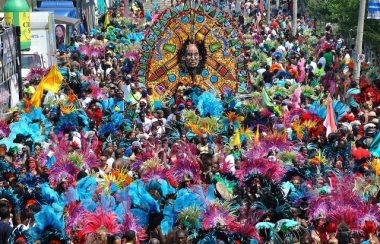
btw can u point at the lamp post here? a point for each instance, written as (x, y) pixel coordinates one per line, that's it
(359, 38)
(268, 10)
(294, 22)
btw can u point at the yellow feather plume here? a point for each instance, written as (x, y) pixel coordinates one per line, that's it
(376, 166)
(118, 177)
(310, 124)
(232, 117)
(298, 129)
(194, 128)
(236, 138)
(247, 133)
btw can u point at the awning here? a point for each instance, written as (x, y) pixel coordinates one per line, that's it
(66, 20)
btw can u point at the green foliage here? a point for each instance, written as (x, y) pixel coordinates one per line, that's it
(344, 13)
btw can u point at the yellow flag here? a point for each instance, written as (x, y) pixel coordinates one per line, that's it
(35, 100)
(51, 82)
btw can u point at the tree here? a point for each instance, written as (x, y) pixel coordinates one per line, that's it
(344, 13)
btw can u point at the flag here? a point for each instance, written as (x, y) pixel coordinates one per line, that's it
(35, 100)
(51, 82)
(329, 122)
(261, 6)
(373, 9)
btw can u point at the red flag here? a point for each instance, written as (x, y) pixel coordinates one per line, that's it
(261, 6)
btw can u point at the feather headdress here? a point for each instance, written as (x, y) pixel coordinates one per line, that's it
(118, 178)
(217, 215)
(274, 171)
(73, 214)
(63, 170)
(184, 164)
(95, 222)
(153, 169)
(190, 218)
(209, 105)
(36, 74)
(21, 233)
(10, 196)
(130, 222)
(49, 224)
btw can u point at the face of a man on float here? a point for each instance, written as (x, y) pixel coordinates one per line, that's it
(192, 56)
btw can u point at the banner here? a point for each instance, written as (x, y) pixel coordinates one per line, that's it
(373, 9)
(8, 18)
(24, 20)
(60, 35)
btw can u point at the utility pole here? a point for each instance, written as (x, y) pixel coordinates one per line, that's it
(294, 22)
(268, 11)
(277, 5)
(359, 38)
(17, 30)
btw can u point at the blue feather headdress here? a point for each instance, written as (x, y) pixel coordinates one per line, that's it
(71, 121)
(209, 105)
(21, 232)
(11, 196)
(49, 225)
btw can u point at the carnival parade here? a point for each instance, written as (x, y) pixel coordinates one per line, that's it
(188, 122)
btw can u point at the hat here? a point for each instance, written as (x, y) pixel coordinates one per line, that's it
(188, 103)
(137, 144)
(181, 106)
(368, 126)
(222, 190)
(347, 125)
(372, 114)
(355, 122)
(143, 136)
(144, 92)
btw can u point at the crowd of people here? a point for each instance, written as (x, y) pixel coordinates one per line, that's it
(290, 157)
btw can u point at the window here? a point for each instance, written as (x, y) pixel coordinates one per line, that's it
(29, 61)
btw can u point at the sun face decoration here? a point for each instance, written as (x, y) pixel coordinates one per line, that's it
(198, 46)
(192, 58)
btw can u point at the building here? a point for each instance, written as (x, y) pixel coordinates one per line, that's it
(10, 78)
